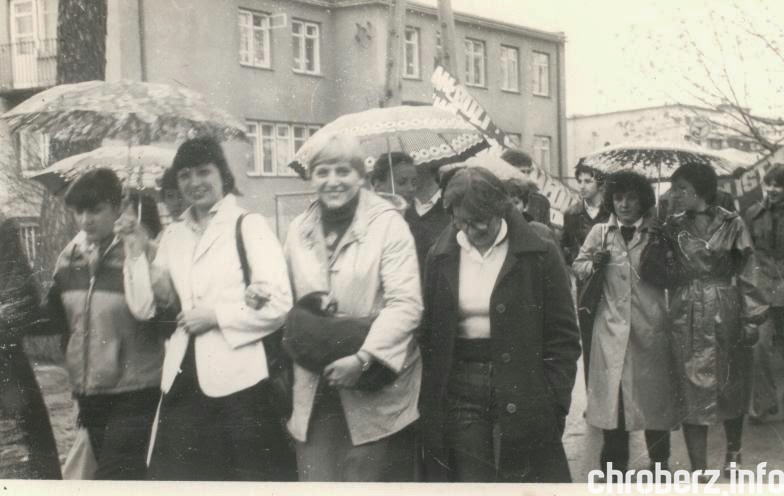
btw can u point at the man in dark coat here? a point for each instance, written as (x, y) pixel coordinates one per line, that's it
(538, 206)
(534, 347)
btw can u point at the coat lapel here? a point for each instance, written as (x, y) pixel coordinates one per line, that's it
(522, 239)
(227, 212)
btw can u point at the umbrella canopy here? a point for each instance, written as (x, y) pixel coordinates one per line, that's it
(431, 136)
(138, 167)
(132, 111)
(656, 161)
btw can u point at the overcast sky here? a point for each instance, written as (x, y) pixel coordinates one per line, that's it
(632, 53)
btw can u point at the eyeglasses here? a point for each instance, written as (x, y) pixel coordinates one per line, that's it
(476, 225)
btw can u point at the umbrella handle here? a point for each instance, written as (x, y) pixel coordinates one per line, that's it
(389, 162)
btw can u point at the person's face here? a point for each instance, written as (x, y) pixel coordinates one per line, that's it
(97, 222)
(336, 183)
(201, 186)
(684, 196)
(175, 203)
(628, 208)
(406, 181)
(525, 169)
(587, 186)
(518, 204)
(775, 193)
(481, 232)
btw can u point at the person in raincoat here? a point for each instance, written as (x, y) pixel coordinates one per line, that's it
(766, 223)
(715, 308)
(630, 385)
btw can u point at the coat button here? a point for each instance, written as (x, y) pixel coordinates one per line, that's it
(506, 357)
(501, 308)
(511, 408)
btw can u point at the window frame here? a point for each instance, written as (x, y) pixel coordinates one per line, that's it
(303, 37)
(258, 138)
(538, 149)
(252, 30)
(537, 83)
(29, 236)
(417, 62)
(469, 67)
(505, 70)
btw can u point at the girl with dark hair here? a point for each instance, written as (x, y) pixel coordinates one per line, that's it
(715, 308)
(216, 419)
(28, 446)
(497, 358)
(630, 383)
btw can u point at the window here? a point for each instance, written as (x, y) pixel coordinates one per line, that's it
(33, 150)
(541, 74)
(274, 145)
(254, 39)
(305, 43)
(509, 69)
(474, 62)
(517, 139)
(28, 234)
(542, 152)
(411, 53)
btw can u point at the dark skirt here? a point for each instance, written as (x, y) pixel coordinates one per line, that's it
(27, 445)
(238, 437)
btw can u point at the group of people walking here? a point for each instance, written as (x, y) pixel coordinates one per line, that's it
(469, 338)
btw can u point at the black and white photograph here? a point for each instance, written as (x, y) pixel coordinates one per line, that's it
(534, 245)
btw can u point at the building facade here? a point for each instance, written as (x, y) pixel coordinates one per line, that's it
(287, 67)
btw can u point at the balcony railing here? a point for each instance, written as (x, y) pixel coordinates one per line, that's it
(28, 64)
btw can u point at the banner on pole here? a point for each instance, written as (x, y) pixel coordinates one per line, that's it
(450, 95)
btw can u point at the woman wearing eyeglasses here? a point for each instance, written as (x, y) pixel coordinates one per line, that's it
(499, 343)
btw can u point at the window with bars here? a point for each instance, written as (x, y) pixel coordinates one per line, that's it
(474, 62)
(509, 69)
(411, 53)
(274, 145)
(254, 39)
(541, 74)
(29, 235)
(542, 152)
(33, 150)
(306, 49)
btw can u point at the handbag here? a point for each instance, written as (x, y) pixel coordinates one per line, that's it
(279, 366)
(588, 298)
(315, 337)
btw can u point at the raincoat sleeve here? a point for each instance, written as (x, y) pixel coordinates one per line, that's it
(393, 330)
(755, 306)
(561, 341)
(239, 323)
(583, 264)
(148, 285)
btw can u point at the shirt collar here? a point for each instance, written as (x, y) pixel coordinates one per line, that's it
(466, 245)
(636, 225)
(424, 207)
(190, 221)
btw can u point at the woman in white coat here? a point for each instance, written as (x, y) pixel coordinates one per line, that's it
(354, 245)
(216, 420)
(631, 385)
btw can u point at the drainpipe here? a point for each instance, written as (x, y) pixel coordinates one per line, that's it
(142, 54)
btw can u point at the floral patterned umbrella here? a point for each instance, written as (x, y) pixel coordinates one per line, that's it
(656, 161)
(139, 167)
(133, 111)
(431, 136)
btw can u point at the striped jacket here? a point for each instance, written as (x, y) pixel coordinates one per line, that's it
(108, 350)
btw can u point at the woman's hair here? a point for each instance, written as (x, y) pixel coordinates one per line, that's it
(626, 181)
(381, 167)
(150, 217)
(518, 188)
(517, 158)
(597, 175)
(339, 147)
(701, 176)
(93, 187)
(200, 151)
(478, 191)
(169, 180)
(775, 176)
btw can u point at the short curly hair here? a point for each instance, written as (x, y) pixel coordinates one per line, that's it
(627, 181)
(596, 174)
(775, 176)
(701, 176)
(479, 191)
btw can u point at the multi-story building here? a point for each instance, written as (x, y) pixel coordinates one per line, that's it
(287, 67)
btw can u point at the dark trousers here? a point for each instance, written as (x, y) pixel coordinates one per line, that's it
(329, 455)
(119, 428)
(615, 448)
(232, 438)
(477, 451)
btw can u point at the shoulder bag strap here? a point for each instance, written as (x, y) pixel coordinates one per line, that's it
(241, 250)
